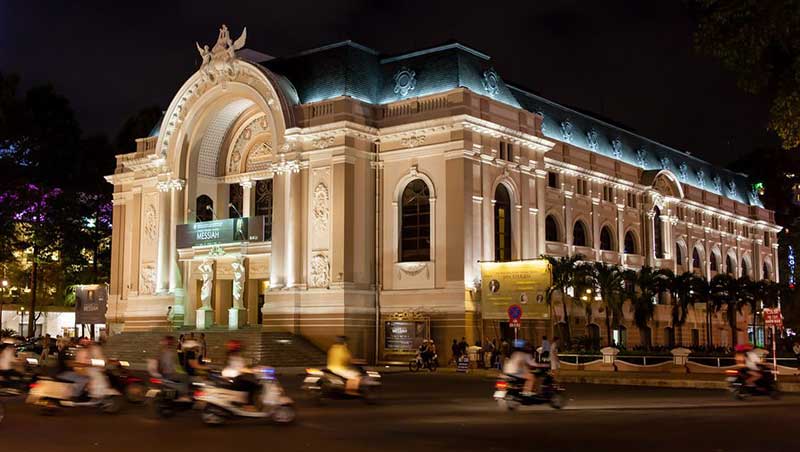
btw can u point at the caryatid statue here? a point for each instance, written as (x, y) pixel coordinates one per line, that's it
(207, 271)
(238, 282)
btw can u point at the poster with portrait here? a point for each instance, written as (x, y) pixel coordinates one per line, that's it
(91, 304)
(507, 283)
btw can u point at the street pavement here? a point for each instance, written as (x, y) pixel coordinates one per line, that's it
(442, 412)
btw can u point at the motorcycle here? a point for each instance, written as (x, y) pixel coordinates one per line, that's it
(165, 398)
(764, 386)
(322, 383)
(132, 387)
(53, 393)
(509, 393)
(419, 363)
(19, 384)
(220, 401)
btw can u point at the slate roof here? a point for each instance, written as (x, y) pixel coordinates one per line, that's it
(350, 69)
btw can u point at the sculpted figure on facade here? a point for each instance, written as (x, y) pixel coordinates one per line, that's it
(218, 62)
(147, 283)
(238, 282)
(207, 272)
(320, 271)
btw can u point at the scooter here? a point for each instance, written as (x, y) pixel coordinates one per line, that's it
(764, 386)
(509, 393)
(53, 393)
(19, 384)
(418, 363)
(220, 401)
(131, 386)
(322, 383)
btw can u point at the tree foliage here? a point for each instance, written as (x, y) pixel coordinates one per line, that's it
(758, 40)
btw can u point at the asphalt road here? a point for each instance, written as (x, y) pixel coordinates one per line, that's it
(442, 412)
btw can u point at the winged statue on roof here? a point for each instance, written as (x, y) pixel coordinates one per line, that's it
(218, 60)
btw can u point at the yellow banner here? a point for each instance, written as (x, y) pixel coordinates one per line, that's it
(523, 283)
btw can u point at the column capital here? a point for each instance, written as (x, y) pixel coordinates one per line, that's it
(247, 184)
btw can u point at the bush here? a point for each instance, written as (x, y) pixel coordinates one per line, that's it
(7, 332)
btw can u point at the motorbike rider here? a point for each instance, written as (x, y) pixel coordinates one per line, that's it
(243, 378)
(340, 363)
(520, 365)
(75, 370)
(169, 367)
(424, 352)
(8, 357)
(752, 363)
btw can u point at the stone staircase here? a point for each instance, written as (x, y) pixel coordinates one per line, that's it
(273, 349)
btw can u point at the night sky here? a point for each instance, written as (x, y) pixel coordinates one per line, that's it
(630, 61)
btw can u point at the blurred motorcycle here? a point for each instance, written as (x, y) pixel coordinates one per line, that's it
(222, 401)
(322, 383)
(764, 386)
(509, 393)
(50, 394)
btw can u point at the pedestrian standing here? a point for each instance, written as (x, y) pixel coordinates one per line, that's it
(456, 352)
(545, 355)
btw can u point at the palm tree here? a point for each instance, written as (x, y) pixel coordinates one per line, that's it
(651, 283)
(608, 281)
(701, 293)
(682, 290)
(725, 293)
(564, 272)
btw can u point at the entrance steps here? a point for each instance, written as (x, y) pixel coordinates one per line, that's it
(266, 348)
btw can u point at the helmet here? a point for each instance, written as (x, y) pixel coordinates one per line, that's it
(233, 346)
(741, 348)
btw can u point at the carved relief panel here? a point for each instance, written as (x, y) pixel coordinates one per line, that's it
(320, 214)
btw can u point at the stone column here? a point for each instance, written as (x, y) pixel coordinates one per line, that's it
(651, 238)
(596, 228)
(621, 233)
(568, 223)
(176, 284)
(164, 221)
(541, 191)
(247, 198)
(293, 229)
(666, 236)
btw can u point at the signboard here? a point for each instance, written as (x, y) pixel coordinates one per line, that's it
(249, 229)
(91, 302)
(515, 316)
(773, 317)
(522, 283)
(404, 335)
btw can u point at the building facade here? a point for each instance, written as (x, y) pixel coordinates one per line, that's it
(373, 187)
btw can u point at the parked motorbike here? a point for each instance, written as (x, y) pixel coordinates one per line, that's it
(322, 383)
(222, 402)
(764, 386)
(53, 393)
(509, 393)
(419, 363)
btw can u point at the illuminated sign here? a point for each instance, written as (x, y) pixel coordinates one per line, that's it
(91, 302)
(523, 283)
(232, 230)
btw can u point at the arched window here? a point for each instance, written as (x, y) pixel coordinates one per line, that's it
(729, 265)
(630, 243)
(204, 208)
(606, 239)
(502, 224)
(713, 261)
(765, 271)
(264, 205)
(579, 234)
(678, 254)
(235, 198)
(696, 260)
(745, 268)
(415, 223)
(658, 242)
(551, 229)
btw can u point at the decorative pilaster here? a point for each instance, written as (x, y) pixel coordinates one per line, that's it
(247, 198)
(162, 269)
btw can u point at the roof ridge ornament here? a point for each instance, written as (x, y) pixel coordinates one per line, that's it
(404, 81)
(491, 81)
(218, 62)
(616, 148)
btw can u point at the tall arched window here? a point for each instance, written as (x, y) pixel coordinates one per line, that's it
(765, 274)
(712, 260)
(630, 243)
(606, 239)
(745, 268)
(264, 205)
(204, 208)
(678, 254)
(696, 260)
(551, 229)
(502, 224)
(579, 234)
(415, 222)
(729, 265)
(657, 239)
